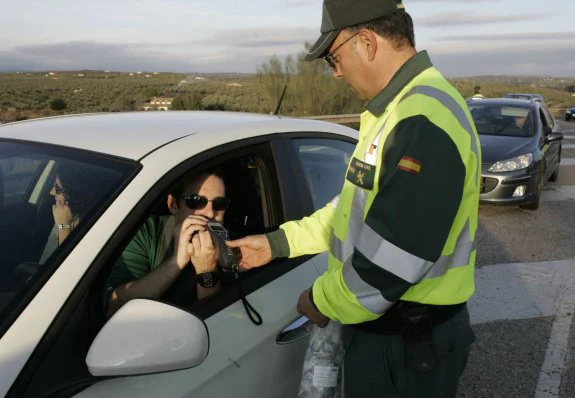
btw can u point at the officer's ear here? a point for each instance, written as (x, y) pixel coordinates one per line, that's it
(367, 41)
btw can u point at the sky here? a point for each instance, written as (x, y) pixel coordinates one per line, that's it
(463, 38)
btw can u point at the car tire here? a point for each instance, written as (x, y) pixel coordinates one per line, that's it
(534, 204)
(567, 118)
(555, 174)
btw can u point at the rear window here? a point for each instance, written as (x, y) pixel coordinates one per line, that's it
(47, 196)
(497, 119)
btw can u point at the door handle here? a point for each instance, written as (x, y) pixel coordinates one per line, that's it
(297, 330)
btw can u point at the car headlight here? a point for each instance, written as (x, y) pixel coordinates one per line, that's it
(516, 163)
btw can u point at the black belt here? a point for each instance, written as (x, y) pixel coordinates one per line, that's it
(390, 322)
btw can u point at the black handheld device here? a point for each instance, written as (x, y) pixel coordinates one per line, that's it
(227, 256)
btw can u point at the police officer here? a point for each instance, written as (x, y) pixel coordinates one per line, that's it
(477, 93)
(401, 235)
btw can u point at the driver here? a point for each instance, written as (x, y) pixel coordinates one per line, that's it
(172, 248)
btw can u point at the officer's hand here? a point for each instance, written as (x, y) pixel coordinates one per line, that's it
(306, 307)
(255, 251)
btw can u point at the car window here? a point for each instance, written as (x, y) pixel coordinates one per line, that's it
(504, 120)
(45, 197)
(18, 174)
(550, 121)
(245, 211)
(324, 162)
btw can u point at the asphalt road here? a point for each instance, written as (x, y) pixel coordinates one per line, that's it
(523, 309)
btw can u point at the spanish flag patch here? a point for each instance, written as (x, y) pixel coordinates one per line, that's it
(409, 164)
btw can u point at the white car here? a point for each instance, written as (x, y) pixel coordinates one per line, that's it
(54, 338)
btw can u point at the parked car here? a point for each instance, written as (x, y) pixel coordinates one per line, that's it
(525, 96)
(54, 338)
(569, 113)
(521, 149)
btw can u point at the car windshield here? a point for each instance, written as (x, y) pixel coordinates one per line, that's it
(48, 198)
(498, 119)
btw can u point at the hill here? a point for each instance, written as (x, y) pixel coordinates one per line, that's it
(37, 94)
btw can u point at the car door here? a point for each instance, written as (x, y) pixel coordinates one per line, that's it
(551, 149)
(245, 359)
(322, 160)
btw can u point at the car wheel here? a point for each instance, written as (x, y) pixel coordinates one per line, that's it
(567, 118)
(534, 204)
(555, 174)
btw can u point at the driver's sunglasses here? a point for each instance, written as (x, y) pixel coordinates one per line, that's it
(329, 58)
(198, 202)
(58, 189)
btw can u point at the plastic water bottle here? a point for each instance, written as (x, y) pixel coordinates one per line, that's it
(321, 373)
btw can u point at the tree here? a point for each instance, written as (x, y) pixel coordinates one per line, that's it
(179, 104)
(57, 104)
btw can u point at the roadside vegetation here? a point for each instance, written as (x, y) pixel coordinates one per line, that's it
(311, 91)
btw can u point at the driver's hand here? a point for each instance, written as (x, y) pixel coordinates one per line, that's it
(202, 252)
(183, 234)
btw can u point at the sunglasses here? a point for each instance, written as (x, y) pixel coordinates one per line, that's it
(198, 202)
(330, 57)
(58, 189)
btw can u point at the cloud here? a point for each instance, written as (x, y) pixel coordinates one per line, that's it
(451, 1)
(507, 37)
(301, 3)
(243, 50)
(176, 57)
(463, 18)
(504, 57)
(90, 55)
(264, 37)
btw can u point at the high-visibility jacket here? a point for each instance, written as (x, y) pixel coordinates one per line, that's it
(404, 225)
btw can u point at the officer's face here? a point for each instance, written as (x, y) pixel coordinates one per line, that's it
(348, 63)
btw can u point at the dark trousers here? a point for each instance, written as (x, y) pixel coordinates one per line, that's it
(376, 365)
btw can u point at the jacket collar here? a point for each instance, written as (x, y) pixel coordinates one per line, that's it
(408, 71)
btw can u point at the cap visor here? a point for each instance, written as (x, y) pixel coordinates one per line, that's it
(322, 45)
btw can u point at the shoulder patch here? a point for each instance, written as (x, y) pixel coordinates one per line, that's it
(409, 164)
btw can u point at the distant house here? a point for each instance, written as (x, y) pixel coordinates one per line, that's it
(158, 104)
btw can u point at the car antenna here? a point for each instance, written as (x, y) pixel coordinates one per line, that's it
(279, 104)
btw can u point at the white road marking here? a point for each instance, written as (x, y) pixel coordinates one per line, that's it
(568, 146)
(549, 383)
(567, 161)
(531, 290)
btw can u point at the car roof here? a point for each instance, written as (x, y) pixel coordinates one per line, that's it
(133, 135)
(525, 94)
(505, 101)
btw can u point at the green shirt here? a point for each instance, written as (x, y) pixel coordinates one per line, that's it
(149, 247)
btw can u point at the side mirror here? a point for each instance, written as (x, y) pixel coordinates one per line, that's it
(147, 336)
(554, 137)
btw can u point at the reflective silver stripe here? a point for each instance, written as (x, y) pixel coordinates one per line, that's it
(343, 249)
(447, 101)
(459, 258)
(334, 201)
(390, 257)
(368, 296)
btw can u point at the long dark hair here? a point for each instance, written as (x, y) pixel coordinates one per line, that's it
(83, 185)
